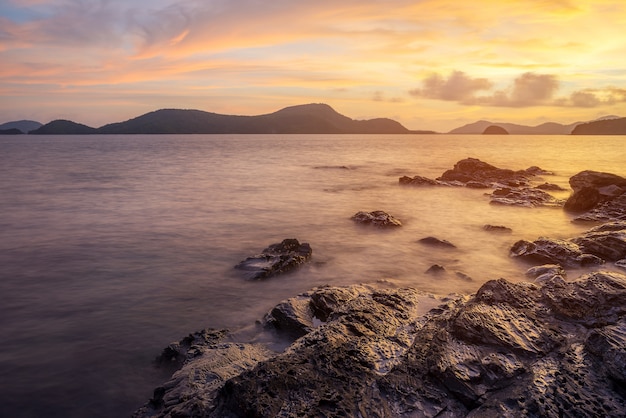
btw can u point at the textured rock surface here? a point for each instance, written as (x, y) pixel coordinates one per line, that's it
(524, 196)
(276, 259)
(516, 350)
(377, 218)
(472, 169)
(600, 244)
(612, 210)
(592, 188)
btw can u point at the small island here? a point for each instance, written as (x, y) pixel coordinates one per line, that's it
(495, 130)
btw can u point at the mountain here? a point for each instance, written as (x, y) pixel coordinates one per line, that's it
(602, 127)
(11, 131)
(24, 126)
(548, 128)
(63, 127)
(302, 119)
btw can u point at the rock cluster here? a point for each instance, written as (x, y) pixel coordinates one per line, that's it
(523, 350)
(276, 259)
(604, 243)
(511, 187)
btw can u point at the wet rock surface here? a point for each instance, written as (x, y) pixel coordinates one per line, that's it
(512, 187)
(436, 242)
(377, 218)
(524, 350)
(592, 188)
(276, 259)
(604, 243)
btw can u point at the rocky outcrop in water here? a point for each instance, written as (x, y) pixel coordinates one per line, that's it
(276, 259)
(377, 218)
(512, 187)
(524, 350)
(604, 243)
(436, 242)
(601, 195)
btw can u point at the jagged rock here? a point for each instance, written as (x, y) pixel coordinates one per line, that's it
(612, 210)
(418, 181)
(377, 218)
(474, 170)
(553, 251)
(603, 243)
(497, 228)
(606, 241)
(207, 359)
(592, 188)
(524, 196)
(436, 242)
(621, 263)
(276, 259)
(513, 349)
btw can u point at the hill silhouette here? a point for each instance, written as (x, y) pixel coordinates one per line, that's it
(602, 127)
(495, 130)
(11, 131)
(548, 128)
(24, 126)
(302, 119)
(64, 127)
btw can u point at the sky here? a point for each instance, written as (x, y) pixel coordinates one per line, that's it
(430, 64)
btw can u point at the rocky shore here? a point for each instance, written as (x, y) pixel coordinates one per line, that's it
(550, 347)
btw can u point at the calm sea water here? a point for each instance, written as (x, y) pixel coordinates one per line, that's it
(111, 247)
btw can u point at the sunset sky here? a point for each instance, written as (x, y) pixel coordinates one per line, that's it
(432, 64)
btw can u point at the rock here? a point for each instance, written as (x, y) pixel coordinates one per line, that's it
(621, 263)
(603, 243)
(546, 272)
(606, 241)
(550, 186)
(436, 242)
(474, 170)
(463, 276)
(377, 218)
(553, 251)
(513, 349)
(497, 228)
(495, 130)
(583, 200)
(592, 188)
(276, 259)
(526, 197)
(612, 210)
(418, 181)
(208, 362)
(435, 269)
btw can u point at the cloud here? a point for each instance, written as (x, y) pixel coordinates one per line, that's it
(457, 87)
(529, 89)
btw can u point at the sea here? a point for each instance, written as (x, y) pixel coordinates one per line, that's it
(112, 247)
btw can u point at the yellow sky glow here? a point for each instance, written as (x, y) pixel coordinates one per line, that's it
(431, 64)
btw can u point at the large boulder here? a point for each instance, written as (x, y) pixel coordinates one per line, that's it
(592, 188)
(523, 196)
(513, 349)
(276, 259)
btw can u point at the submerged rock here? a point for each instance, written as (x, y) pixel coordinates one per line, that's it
(377, 218)
(497, 228)
(522, 350)
(276, 259)
(436, 242)
(418, 181)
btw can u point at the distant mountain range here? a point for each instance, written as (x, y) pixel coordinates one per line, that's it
(303, 119)
(595, 127)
